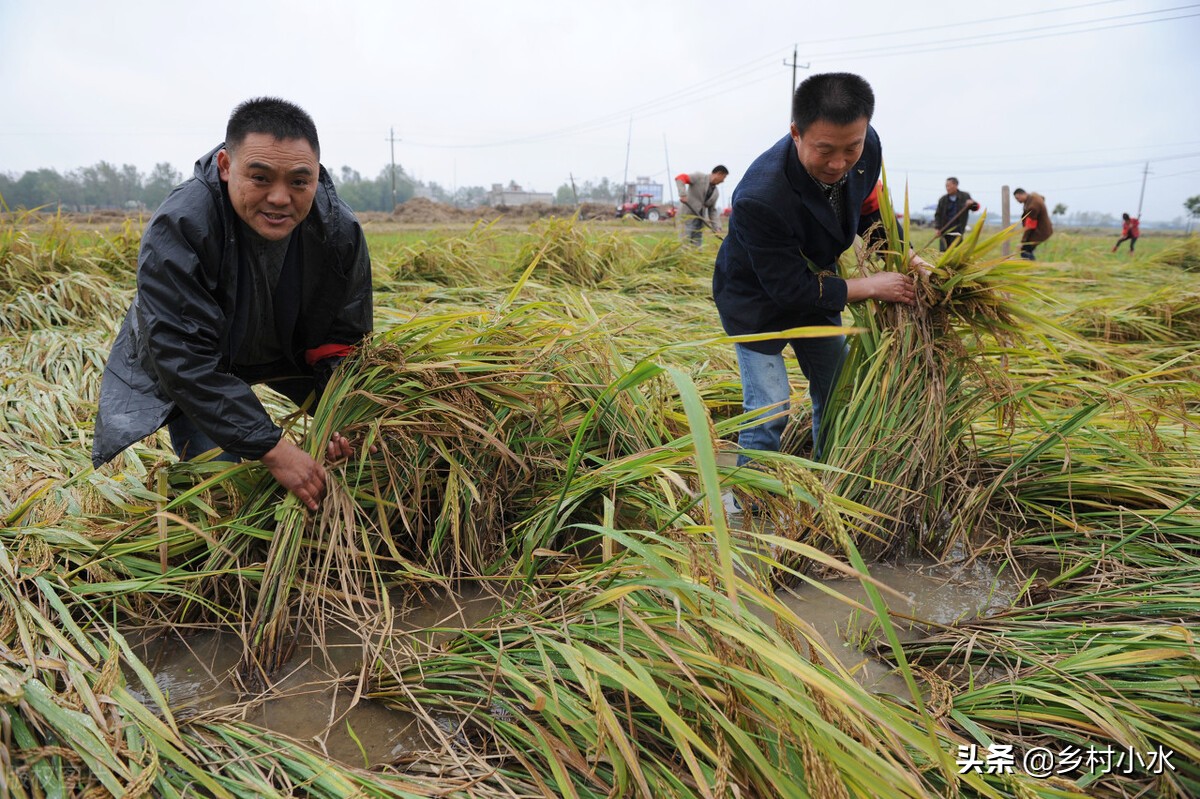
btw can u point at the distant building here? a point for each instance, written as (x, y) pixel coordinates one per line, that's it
(515, 195)
(642, 185)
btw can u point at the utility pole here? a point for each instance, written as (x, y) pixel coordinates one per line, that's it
(1005, 219)
(1142, 196)
(392, 139)
(793, 65)
(625, 177)
(670, 180)
(574, 194)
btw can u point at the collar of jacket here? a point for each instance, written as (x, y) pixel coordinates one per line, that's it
(860, 183)
(810, 192)
(323, 228)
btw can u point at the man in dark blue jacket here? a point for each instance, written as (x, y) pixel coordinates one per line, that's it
(253, 271)
(796, 210)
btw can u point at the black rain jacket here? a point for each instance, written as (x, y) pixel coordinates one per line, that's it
(174, 352)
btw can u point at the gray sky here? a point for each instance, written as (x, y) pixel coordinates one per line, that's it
(1065, 97)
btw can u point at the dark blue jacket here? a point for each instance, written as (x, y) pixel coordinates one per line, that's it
(782, 235)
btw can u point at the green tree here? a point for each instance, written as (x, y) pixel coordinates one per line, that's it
(372, 195)
(469, 196)
(162, 179)
(439, 193)
(1192, 205)
(1059, 210)
(106, 185)
(44, 187)
(565, 195)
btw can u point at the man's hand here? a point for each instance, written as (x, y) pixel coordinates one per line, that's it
(297, 472)
(919, 265)
(885, 286)
(339, 448)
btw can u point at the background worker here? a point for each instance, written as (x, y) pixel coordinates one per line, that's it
(795, 211)
(698, 199)
(253, 271)
(1129, 232)
(1035, 220)
(950, 218)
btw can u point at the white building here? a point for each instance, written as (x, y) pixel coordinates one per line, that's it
(515, 195)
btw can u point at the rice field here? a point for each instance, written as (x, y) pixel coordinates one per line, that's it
(554, 410)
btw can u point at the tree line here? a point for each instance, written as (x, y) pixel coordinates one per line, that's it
(108, 186)
(102, 185)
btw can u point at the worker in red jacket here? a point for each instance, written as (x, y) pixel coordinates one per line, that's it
(1129, 233)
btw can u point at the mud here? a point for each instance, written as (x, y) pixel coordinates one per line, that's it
(926, 595)
(318, 700)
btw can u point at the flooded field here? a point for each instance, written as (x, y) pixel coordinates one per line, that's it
(552, 416)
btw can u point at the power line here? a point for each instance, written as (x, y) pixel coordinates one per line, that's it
(1128, 182)
(984, 39)
(927, 28)
(1073, 168)
(691, 94)
(621, 117)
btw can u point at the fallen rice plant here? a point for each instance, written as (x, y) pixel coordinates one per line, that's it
(563, 446)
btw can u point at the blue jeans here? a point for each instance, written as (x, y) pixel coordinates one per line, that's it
(188, 441)
(765, 388)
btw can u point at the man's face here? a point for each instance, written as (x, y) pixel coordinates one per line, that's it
(717, 178)
(951, 187)
(1020, 196)
(828, 151)
(272, 182)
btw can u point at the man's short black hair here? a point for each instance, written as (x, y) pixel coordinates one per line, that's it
(954, 179)
(1019, 191)
(721, 169)
(272, 116)
(836, 97)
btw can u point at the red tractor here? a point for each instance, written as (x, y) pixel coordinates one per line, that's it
(645, 208)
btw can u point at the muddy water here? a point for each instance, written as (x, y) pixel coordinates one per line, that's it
(317, 700)
(925, 594)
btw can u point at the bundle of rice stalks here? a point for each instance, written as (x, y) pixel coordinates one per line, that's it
(78, 300)
(1185, 255)
(565, 252)
(1165, 315)
(448, 260)
(914, 382)
(36, 250)
(479, 426)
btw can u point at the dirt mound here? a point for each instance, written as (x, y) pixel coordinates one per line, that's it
(424, 211)
(597, 211)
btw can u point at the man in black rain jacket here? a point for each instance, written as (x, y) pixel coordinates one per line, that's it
(253, 271)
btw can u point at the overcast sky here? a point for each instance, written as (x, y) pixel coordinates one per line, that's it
(1064, 97)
